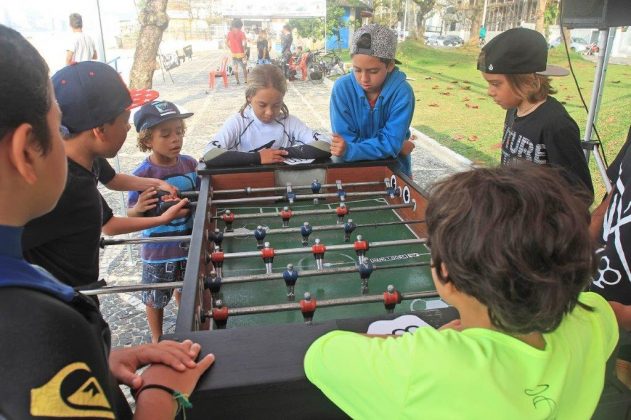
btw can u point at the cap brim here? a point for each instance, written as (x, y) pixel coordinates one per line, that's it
(139, 97)
(552, 70)
(168, 118)
(397, 61)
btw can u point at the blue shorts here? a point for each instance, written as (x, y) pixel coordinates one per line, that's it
(153, 273)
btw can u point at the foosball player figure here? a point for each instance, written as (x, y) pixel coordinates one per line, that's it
(305, 231)
(220, 314)
(213, 283)
(315, 188)
(365, 269)
(341, 194)
(228, 218)
(259, 235)
(291, 277)
(341, 211)
(318, 253)
(389, 188)
(349, 227)
(391, 297)
(308, 307)
(286, 214)
(361, 246)
(291, 196)
(268, 257)
(216, 237)
(217, 258)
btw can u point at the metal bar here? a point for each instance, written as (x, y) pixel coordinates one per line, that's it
(249, 190)
(283, 307)
(323, 211)
(291, 251)
(108, 242)
(298, 197)
(241, 279)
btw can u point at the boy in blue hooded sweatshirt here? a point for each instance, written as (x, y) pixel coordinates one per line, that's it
(372, 108)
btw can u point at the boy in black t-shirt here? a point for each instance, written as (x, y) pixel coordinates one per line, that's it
(537, 127)
(55, 354)
(95, 119)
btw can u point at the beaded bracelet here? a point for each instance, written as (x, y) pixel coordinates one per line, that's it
(179, 397)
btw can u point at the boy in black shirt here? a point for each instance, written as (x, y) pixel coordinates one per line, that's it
(537, 128)
(55, 350)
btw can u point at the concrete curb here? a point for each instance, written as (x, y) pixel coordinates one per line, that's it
(448, 156)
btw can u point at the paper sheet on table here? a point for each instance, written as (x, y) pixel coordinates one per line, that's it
(397, 326)
(294, 161)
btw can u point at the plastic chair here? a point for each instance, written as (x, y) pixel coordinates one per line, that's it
(223, 72)
(302, 65)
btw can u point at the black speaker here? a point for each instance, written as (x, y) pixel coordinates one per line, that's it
(596, 13)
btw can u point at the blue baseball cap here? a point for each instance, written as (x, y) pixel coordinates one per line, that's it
(89, 93)
(156, 112)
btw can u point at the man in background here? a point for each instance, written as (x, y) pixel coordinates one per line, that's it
(81, 48)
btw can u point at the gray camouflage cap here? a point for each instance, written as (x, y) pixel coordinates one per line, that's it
(375, 40)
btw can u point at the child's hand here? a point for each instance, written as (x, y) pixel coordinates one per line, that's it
(161, 184)
(407, 148)
(147, 200)
(272, 156)
(338, 145)
(175, 212)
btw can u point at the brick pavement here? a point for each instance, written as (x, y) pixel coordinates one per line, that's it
(189, 89)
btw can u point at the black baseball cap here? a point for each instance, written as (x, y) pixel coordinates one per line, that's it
(518, 51)
(89, 93)
(156, 112)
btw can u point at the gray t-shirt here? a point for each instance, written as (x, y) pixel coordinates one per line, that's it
(82, 46)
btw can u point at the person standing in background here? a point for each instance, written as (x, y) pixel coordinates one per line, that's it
(81, 48)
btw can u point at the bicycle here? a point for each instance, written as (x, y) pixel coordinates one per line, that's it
(321, 65)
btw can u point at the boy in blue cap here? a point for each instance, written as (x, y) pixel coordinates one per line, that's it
(55, 347)
(371, 109)
(160, 126)
(95, 104)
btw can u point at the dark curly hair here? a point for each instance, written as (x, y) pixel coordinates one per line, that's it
(516, 239)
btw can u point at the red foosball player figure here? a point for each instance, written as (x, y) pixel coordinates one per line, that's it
(228, 218)
(361, 246)
(391, 297)
(308, 307)
(341, 211)
(318, 253)
(286, 214)
(220, 314)
(217, 257)
(268, 257)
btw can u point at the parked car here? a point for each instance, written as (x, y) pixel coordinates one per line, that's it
(435, 40)
(575, 44)
(453, 41)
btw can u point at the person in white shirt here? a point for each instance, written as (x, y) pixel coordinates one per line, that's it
(81, 48)
(263, 132)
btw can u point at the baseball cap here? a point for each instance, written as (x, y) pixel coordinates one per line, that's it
(89, 93)
(155, 112)
(518, 51)
(375, 40)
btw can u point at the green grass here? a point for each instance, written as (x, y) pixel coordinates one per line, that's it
(452, 105)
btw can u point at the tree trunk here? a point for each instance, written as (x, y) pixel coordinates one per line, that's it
(153, 21)
(476, 22)
(540, 15)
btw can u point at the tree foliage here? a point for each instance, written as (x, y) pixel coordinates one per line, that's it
(313, 28)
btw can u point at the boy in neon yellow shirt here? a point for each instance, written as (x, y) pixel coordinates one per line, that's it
(511, 251)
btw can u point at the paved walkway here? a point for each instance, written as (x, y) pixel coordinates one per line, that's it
(189, 89)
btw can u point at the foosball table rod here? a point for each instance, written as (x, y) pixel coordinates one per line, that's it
(411, 205)
(251, 190)
(297, 197)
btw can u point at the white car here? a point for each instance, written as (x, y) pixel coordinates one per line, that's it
(576, 44)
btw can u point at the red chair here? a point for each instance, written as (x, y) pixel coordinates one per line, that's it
(303, 65)
(223, 72)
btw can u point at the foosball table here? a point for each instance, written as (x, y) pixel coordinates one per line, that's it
(288, 254)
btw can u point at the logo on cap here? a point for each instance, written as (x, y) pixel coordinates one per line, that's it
(164, 108)
(491, 67)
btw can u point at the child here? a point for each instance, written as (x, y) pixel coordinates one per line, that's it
(237, 43)
(55, 345)
(537, 128)
(371, 110)
(161, 130)
(262, 46)
(263, 132)
(95, 112)
(510, 250)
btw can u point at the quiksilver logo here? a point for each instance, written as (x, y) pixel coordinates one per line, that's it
(72, 392)
(491, 67)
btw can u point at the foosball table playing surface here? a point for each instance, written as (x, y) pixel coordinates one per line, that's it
(290, 253)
